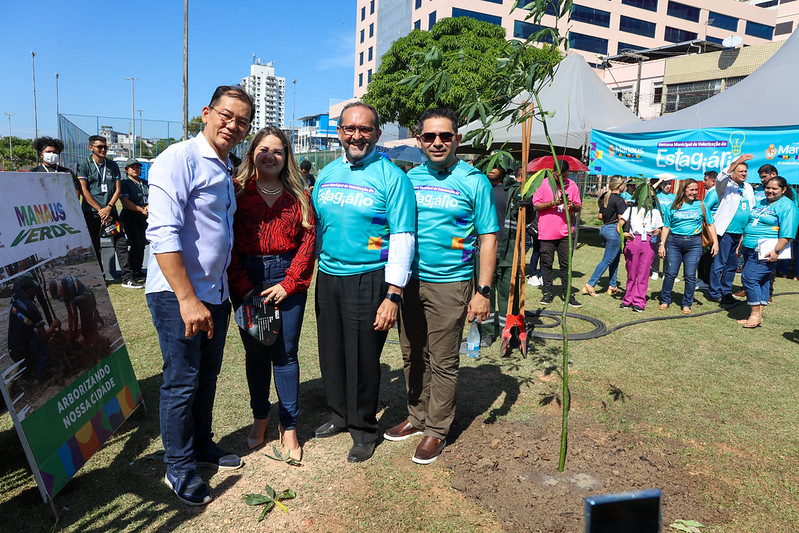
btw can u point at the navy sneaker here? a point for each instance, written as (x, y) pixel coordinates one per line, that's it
(638, 309)
(189, 488)
(624, 306)
(218, 458)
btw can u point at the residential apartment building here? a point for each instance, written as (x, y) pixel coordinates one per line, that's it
(269, 93)
(316, 132)
(787, 16)
(596, 28)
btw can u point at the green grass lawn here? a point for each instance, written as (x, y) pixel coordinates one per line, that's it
(726, 394)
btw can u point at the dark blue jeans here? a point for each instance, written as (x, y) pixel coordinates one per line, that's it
(191, 366)
(610, 260)
(281, 357)
(756, 277)
(681, 250)
(722, 272)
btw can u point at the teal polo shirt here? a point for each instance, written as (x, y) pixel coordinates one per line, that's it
(100, 180)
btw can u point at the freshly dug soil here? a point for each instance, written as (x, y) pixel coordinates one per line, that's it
(511, 469)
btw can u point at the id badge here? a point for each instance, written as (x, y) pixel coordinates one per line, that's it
(104, 187)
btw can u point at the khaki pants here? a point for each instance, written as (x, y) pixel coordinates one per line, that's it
(432, 319)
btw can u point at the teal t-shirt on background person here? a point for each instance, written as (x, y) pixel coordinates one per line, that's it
(452, 210)
(687, 220)
(100, 180)
(357, 207)
(771, 221)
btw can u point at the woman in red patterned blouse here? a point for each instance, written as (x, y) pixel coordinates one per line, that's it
(274, 237)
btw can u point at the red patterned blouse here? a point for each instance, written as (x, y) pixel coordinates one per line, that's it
(262, 230)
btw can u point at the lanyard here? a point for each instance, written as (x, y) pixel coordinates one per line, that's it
(102, 176)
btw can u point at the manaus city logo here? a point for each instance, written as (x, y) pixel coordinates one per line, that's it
(48, 221)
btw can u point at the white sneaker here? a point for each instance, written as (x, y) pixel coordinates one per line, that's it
(535, 281)
(132, 284)
(654, 275)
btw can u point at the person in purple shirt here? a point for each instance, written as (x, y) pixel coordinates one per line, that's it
(190, 230)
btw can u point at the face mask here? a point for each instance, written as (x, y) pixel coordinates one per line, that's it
(51, 158)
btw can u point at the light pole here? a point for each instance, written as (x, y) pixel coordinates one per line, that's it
(185, 70)
(132, 115)
(10, 149)
(141, 146)
(35, 113)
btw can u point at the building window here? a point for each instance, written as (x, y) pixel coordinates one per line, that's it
(370, 53)
(649, 5)
(716, 40)
(360, 79)
(418, 4)
(628, 47)
(363, 13)
(682, 95)
(372, 29)
(636, 26)
(550, 10)
(759, 30)
(369, 76)
(523, 30)
(360, 62)
(783, 27)
(431, 20)
(417, 25)
(588, 43)
(719, 20)
(675, 35)
(657, 96)
(494, 1)
(372, 7)
(683, 11)
(362, 34)
(590, 15)
(626, 96)
(457, 12)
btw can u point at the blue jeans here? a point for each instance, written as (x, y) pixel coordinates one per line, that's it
(756, 277)
(681, 250)
(722, 272)
(191, 366)
(281, 357)
(609, 234)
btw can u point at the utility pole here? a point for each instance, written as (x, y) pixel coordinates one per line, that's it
(10, 149)
(35, 113)
(640, 58)
(293, 108)
(185, 69)
(132, 116)
(141, 129)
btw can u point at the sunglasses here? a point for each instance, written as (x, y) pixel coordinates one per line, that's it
(101, 146)
(445, 136)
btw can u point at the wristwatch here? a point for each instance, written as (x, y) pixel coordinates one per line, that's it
(484, 290)
(393, 297)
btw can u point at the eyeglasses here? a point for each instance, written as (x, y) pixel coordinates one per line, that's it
(366, 131)
(430, 136)
(101, 146)
(227, 118)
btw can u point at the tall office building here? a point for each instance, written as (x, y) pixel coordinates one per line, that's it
(269, 93)
(597, 27)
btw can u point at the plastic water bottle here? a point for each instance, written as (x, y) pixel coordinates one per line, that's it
(473, 341)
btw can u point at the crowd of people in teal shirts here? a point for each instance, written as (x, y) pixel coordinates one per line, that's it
(753, 225)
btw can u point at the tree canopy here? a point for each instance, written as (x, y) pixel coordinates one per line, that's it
(469, 50)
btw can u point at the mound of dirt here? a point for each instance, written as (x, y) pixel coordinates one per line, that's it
(511, 469)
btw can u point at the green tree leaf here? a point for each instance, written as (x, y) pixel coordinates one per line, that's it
(256, 499)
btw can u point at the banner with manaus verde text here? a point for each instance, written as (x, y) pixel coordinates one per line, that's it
(691, 153)
(67, 379)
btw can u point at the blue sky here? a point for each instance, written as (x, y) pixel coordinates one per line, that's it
(94, 46)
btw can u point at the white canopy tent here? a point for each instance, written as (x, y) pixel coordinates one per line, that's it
(580, 101)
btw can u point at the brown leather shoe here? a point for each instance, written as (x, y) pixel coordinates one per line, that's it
(428, 450)
(401, 431)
